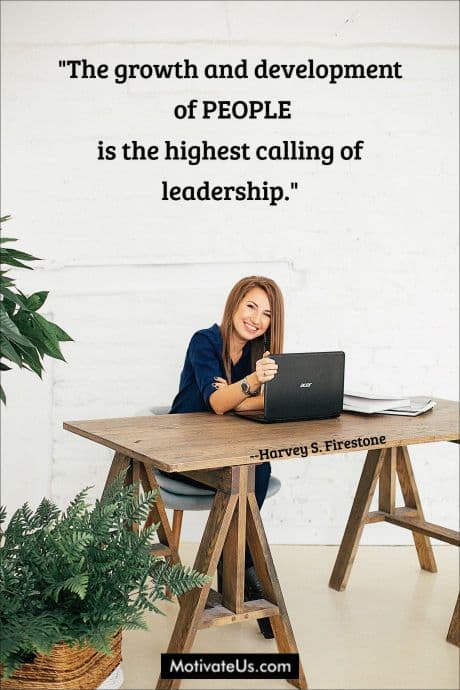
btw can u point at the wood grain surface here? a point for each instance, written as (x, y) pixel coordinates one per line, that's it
(202, 440)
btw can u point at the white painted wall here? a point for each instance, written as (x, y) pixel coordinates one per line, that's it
(366, 253)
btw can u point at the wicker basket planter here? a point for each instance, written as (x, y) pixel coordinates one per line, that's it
(66, 668)
(80, 574)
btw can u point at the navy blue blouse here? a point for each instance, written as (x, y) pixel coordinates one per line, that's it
(203, 361)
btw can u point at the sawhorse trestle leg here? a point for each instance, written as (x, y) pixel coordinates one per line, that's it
(142, 474)
(233, 519)
(386, 466)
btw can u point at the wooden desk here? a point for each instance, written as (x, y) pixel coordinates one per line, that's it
(223, 451)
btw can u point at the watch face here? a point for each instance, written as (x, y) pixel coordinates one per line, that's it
(245, 387)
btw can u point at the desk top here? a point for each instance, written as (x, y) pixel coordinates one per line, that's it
(202, 440)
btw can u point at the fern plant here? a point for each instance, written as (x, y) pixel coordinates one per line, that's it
(80, 575)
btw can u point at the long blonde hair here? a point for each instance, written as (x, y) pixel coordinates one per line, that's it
(273, 339)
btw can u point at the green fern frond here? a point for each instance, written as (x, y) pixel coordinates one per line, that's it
(46, 512)
(114, 490)
(78, 505)
(181, 579)
(139, 512)
(78, 584)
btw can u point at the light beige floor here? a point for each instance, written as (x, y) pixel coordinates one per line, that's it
(387, 630)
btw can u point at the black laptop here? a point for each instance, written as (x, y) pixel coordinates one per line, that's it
(308, 385)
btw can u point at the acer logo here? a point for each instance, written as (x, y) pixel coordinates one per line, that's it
(305, 385)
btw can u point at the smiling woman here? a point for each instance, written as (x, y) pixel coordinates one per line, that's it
(225, 368)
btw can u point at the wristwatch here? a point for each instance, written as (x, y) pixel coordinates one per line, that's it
(246, 388)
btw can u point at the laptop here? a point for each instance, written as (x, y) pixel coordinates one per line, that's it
(308, 385)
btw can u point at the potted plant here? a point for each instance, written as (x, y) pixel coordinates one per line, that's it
(71, 580)
(26, 336)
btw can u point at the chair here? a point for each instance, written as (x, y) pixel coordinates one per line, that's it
(179, 496)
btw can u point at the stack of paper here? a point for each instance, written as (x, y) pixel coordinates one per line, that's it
(377, 404)
(369, 404)
(417, 406)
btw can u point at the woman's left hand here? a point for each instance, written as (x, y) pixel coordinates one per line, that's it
(266, 368)
(219, 383)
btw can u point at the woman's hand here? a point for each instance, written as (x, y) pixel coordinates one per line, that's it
(229, 396)
(219, 383)
(266, 368)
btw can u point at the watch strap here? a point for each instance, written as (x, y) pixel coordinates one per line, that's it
(246, 388)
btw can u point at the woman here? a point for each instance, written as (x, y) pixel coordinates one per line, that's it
(253, 319)
(226, 367)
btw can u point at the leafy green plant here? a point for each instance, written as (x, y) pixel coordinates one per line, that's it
(79, 576)
(25, 335)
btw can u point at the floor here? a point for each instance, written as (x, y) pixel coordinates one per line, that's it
(387, 630)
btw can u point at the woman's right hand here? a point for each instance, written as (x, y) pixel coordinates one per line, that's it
(266, 368)
(219, 383)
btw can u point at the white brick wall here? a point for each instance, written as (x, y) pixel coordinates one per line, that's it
(366, 253)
